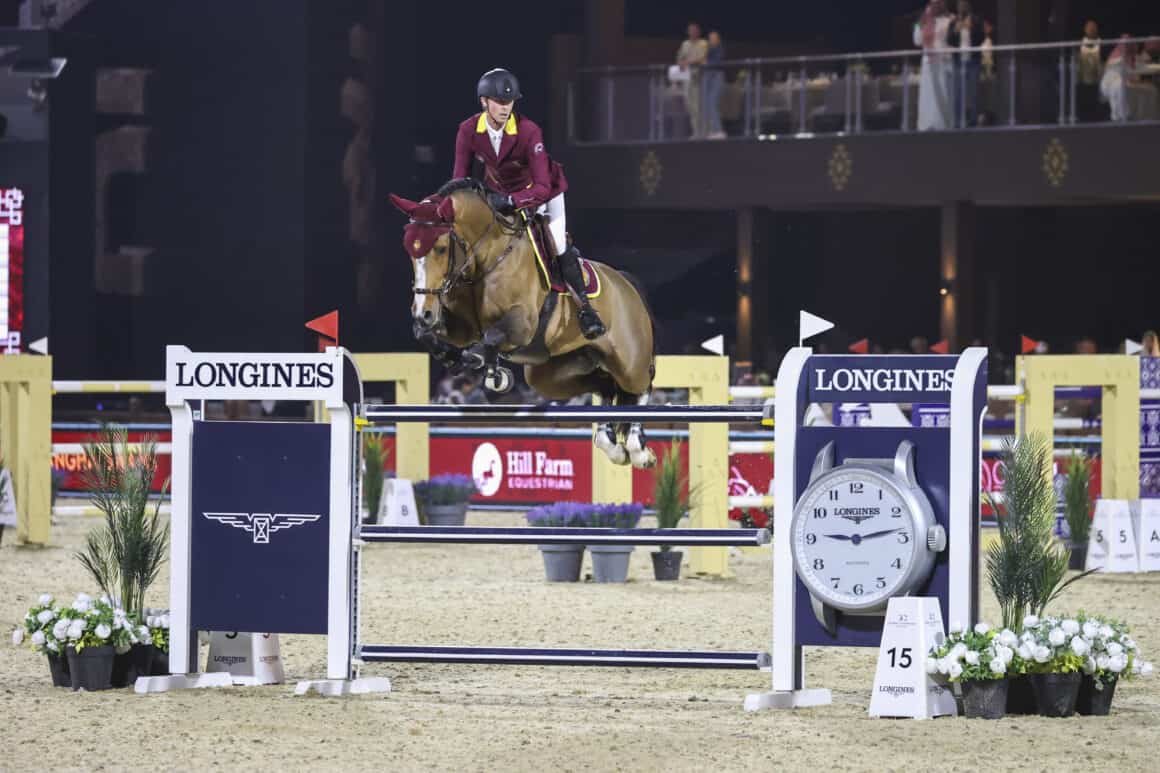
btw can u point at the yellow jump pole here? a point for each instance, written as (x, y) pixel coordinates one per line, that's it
(26, 441)
(411, 375)
(1119, 377)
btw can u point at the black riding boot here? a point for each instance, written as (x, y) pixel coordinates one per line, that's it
(590, 323)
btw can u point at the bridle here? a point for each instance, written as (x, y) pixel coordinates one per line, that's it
(457, 275)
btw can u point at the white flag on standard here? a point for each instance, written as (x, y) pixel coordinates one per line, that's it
(1132, 347)
(716, 344)
(810, 325)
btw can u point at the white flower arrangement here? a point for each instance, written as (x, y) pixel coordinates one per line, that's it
(157, 623)
(89, 622)
(39, 627)
(1055, 644)
(1109, 652)
(976, 654)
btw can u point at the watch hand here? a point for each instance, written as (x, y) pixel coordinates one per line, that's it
(839, 536)
(882, 533)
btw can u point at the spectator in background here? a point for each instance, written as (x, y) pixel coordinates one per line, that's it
(714, 80)
(919, 345)
(1150, 343)
(934, 97)
(690, 56)
(988, 83)
(1117, 72)
(1090, 72)
(965, 32)
(1086, 345)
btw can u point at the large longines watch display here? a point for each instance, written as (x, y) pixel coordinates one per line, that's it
(863, 531)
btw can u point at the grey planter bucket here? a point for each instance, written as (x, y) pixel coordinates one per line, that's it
(610, 562)
(446, 515)
(562, 562)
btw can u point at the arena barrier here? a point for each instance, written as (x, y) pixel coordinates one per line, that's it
(265, 534)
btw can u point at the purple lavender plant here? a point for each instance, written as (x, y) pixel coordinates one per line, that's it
(560, 514)
(446, 489)
(619, 515)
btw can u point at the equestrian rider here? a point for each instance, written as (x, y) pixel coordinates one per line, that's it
(521, 175)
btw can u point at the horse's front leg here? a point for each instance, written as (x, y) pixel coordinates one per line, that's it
(509, 331)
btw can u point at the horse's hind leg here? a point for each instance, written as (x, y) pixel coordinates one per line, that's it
(560, 383)
(635, 441)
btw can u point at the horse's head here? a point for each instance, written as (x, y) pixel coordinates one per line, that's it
(436, 238)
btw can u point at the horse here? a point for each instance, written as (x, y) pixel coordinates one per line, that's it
(478, 285)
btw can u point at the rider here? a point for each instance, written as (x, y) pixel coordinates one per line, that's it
(521, 175)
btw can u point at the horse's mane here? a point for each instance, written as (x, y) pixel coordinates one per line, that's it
(462, 184)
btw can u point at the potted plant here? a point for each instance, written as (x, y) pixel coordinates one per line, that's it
(374, 457)
(1112, 655)
(88, 627)
(610, 562)
(671, 503)
(1054, 650)
(157, 629)
(1025, 566)
(1077, 506)
(442, 500)
(979, 660)
(125, 554)
(561, 562)
(38, 626)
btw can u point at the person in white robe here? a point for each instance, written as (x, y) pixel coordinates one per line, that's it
(1114, 84)
(934, 85)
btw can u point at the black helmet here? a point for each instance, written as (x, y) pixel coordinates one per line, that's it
(500, 85)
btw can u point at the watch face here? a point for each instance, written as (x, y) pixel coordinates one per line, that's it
(854, 539)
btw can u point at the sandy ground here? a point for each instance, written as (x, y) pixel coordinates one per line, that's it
(516, 718)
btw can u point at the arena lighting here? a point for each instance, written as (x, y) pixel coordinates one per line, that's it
(947, 287)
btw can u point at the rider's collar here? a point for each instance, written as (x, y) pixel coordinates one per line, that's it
(508, 128)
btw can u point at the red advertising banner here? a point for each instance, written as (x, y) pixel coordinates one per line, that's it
(72, 462)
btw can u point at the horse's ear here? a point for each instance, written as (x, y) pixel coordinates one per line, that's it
(406, 206)
(446, 210)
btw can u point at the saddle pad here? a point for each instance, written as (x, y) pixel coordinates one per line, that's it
(552, 279)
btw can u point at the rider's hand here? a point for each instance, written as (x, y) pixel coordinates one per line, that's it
(501, 202)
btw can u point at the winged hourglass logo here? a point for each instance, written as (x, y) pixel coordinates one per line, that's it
(261, 525)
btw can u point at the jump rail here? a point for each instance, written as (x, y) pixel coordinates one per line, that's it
(577, 414)
(524, 656)
(564, 536)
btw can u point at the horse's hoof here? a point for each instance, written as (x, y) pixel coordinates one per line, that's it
(472, 360)
(643, 460)
(499, 380)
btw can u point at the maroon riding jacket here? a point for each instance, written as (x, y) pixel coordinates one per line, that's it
(523, 168)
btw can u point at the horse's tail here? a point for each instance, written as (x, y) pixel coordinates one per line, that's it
(652, 320)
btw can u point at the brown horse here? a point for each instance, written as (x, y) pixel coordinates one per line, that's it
(478, 282)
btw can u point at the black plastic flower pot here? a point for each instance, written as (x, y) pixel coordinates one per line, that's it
(667, 564)
(1078, 559)
(58, 667)
(91, 668)
(129, 665)
(159, 663)
(1021, 696)
(1056, 694)
(985, 699)
(1094, 700)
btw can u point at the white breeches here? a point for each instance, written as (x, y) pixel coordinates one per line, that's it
(554, 207)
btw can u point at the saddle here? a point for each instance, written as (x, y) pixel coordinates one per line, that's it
(550, 266)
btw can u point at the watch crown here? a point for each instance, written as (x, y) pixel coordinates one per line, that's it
(936, 538)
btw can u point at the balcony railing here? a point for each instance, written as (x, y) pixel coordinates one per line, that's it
(1045, 84)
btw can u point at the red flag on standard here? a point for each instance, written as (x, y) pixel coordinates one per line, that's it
(1027, 345)
(327, 328)
(940, 347)
(861, 346)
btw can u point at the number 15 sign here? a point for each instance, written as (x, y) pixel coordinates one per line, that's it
(902, 688)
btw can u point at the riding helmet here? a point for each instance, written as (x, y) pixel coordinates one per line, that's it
(500, 85)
